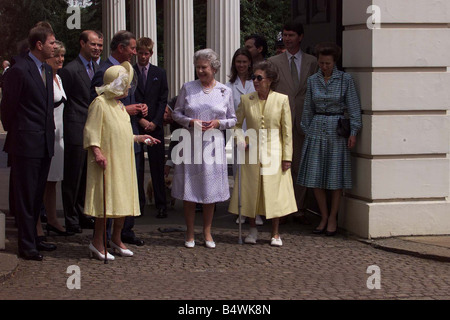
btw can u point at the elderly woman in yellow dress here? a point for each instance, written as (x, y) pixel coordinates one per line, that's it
(109, 139)
(266, 182)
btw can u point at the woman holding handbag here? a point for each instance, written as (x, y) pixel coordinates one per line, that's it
(326, 162)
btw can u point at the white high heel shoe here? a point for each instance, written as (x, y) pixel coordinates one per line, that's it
(210, 244)
(120, 251)
(93, 252)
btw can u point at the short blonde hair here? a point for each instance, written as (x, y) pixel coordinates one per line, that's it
(59, 46)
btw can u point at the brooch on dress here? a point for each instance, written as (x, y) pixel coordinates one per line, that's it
(223, 91)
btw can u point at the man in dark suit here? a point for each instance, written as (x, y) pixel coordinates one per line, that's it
(123, 48)
(152, 90)
(27, 115)
(76, 78)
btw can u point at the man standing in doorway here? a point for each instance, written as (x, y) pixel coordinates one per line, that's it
(294, 67)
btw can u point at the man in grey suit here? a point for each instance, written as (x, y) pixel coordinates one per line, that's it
(294, 68)
(76, 78)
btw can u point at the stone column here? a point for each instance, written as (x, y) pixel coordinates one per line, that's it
(143, 23)
(401, 162)
(178, 43)
(114, 19)
(2, 231)
(223, 32)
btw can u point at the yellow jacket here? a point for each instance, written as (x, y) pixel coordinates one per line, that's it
(265, 188)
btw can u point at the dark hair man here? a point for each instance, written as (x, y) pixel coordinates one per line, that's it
(76, 77)
(27, 116)
(294, 67)
(257, 45)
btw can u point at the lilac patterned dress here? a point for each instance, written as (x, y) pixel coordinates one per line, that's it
(200, 173)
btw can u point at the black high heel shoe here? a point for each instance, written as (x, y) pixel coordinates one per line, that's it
(331, 233)
(319, 231)
(51, 228)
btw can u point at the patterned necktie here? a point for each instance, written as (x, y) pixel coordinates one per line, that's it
(90, 70)
(44, 77)
(294, 73)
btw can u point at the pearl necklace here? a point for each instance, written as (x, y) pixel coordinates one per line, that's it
(207, 90)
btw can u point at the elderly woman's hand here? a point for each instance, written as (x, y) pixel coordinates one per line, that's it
(204, 125)
(99, 157)
(213, 124)
(285, 165)
(148, 140)
(351, 142)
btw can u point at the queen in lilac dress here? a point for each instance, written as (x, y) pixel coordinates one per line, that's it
(205, 109)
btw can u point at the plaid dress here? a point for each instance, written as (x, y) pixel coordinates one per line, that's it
(326, 162)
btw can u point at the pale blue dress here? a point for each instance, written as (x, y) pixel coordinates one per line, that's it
(326, 160)
(202, 175)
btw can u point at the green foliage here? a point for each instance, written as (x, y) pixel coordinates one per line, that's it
(19, 16)
(265, 17)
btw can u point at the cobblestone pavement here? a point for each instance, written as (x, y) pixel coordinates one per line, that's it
(306, 267)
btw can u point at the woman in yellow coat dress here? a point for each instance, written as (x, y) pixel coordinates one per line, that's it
(109, 139)
(266, 182)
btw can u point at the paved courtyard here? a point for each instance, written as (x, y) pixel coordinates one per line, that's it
(306, 267)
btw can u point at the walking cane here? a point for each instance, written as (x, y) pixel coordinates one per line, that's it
(104, 218)
(239, 204)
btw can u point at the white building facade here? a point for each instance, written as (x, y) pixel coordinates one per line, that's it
(401, 66)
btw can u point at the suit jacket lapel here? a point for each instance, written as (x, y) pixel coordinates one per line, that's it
(240, 86)
(83, 73)
(150, 77)
(36, 76)
(303, 73)
(49, 89)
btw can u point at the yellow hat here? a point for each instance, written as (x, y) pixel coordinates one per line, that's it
(117, 80)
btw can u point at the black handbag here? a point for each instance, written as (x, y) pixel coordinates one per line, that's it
(343, 125)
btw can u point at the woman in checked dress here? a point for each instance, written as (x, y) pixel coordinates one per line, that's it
(326, 163)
